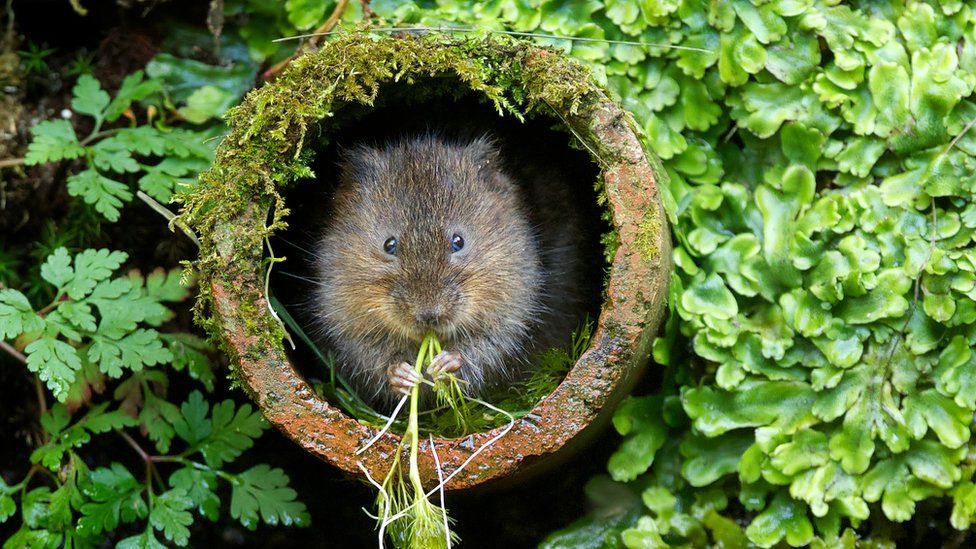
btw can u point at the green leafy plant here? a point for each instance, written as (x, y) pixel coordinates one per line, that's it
(262, 23)
(160, 160)
(64, 342)
(820, 194)
(265, 21)
(107, 344)
(99, 328)
(83, 63)
(87, 504)
(34, 58)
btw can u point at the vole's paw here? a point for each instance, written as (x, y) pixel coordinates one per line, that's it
(446, 362)
(402, 377)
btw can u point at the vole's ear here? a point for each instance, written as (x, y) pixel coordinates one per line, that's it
(485, 154)
(483, 151)
(362, 164)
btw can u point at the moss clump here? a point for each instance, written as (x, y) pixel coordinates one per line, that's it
(647, 234)
(237, 204)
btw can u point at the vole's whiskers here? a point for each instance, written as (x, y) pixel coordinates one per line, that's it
(296, 246)
(299, 277)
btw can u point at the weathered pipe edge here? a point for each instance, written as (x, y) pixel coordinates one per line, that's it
(630, 317)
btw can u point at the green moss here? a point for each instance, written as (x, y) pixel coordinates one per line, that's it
(648, 233)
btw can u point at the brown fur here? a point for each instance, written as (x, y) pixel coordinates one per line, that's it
(511, 291)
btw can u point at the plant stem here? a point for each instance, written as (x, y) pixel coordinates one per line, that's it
(329, 24)
(413, 427)
(9, 36)
(135, 446)
(367, 13)
(14, 162)
(41, 401)
(22, 485)
(27, 478)
(149, 488)
(167, 459)
(51, 306)
(11, 162)
(12, 351)
(229, 477)
(97, 135)
(151, 470)
(168, 215)
(333, 19)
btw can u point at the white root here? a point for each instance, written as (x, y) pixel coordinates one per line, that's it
(483, 447)
(386, 428)
(440, 478)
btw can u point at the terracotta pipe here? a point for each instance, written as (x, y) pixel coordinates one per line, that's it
(232, 236)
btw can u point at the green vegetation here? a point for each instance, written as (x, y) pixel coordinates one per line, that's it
(167, 157)
(818, 380)
(820, 172)
(76, 355)
(406, 511)
(108, 345)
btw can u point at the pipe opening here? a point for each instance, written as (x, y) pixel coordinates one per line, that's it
(549, 168)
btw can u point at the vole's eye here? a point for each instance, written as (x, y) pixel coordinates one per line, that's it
(456, 243)
(390, 246)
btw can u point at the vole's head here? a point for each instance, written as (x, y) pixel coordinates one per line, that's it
(427, 235)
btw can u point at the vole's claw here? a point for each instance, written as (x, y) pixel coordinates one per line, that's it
(403, 378)
(446, 362)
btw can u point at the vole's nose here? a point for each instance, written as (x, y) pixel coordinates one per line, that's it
(429, 315)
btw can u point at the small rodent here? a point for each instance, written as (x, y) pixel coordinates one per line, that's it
(430, 233)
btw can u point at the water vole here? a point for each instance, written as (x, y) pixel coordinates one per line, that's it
(429, 233)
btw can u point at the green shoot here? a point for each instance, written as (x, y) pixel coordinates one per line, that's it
(414, 521)
(449, 395)
(34, 58)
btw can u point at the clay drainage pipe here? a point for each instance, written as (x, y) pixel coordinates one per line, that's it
(237, 206)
